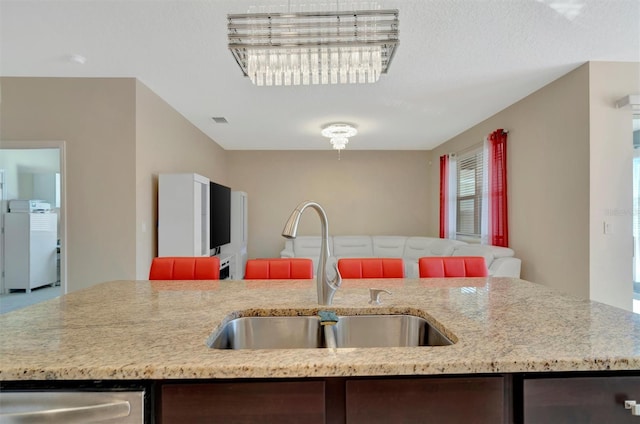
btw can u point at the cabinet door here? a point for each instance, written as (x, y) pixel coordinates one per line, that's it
(426, 400)
(244, 402)
(580, 400)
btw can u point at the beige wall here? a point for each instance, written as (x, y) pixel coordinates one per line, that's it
(96, 119)
(365, 192)
(548, 177)
(569, 163)
(119, 136)
(566, 171)
(611, 144)
(165, 143)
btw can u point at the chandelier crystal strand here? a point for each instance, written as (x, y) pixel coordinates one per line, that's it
(314, 47)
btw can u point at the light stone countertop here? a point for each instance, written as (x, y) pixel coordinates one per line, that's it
(158, 330)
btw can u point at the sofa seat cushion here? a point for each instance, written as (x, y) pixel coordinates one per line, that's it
(475, 250)
(352, 247)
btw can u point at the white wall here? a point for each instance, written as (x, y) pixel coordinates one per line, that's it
(611, 158)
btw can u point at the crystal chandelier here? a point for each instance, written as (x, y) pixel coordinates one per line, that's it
(339, 134)
(314, 47)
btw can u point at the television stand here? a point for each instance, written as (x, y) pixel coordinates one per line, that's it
(225, 261)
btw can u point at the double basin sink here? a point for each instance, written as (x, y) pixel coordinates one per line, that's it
(306, 332)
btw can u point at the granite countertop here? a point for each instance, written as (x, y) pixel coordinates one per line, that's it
(158, 330)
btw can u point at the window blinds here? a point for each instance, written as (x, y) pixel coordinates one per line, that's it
(469, 193)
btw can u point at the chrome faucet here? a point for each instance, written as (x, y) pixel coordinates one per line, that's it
(326, 287)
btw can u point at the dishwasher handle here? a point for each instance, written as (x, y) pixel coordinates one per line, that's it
(66, 407)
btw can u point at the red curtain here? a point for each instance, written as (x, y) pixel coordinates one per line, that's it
(498, 216)
(444, 176)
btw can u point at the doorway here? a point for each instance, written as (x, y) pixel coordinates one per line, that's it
(636, 214)
(28, 168)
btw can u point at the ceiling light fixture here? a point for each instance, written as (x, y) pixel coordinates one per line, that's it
(314, 47)
(339, 134)
(78, 59)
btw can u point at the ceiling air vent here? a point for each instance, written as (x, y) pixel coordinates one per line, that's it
(220, 120)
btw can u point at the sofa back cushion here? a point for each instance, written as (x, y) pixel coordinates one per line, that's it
(417, 247)
(388, 246)
(308, 246)
(352, 246)
(487, 252)
(371, 267)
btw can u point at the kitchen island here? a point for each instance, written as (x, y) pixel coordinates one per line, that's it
(157, 331)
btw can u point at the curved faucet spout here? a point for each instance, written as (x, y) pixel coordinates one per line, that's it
(326, 287)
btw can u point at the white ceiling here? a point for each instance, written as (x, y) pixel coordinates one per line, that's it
(458, 63)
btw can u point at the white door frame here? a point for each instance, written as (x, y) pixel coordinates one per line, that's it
(61, 145)
(3, 210)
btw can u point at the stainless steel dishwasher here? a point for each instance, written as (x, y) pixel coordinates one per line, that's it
(68, 406)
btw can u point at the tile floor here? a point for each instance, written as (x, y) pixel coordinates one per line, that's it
(19, 299)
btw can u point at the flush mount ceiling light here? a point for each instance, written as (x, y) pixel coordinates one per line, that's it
(339, 134)
(314, 47)
(77, 59)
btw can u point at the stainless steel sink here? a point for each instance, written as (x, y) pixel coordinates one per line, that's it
(387, 331)
(269, 333)
(306, 332)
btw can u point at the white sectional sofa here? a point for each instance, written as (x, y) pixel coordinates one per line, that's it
(500, 260)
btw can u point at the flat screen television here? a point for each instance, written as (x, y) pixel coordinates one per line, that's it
(219, 215)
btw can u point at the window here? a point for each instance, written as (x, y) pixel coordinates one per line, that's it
(473, 193)
(470, 179)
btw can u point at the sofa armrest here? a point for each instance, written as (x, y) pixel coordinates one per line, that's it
(505, 267)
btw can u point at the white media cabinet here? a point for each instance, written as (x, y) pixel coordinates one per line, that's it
(183, 222)
(183, 215)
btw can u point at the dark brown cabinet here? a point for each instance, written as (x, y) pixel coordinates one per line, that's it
(426, 400)
(338, 400)
(579, 399)
(243, 402)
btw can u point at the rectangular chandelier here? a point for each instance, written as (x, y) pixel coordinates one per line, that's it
(314, 47)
